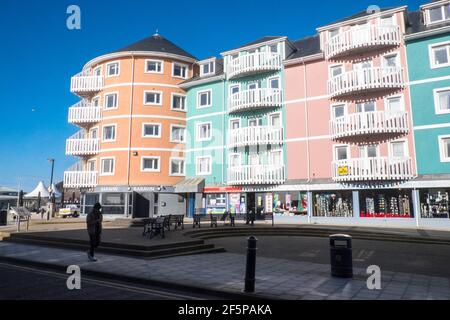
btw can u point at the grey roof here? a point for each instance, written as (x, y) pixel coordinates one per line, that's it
(260, 40)
(218, 69)
(156, 43)
(416, 24)
(306, 47)
(358, 15)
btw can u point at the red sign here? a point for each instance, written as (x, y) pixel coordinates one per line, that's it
(222, 189)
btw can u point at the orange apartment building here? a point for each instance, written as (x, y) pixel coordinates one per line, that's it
(132, 122)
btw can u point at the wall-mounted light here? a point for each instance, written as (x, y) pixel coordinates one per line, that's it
(135, 153)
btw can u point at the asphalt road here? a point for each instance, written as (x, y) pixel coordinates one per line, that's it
(427, 259)
(20, 282)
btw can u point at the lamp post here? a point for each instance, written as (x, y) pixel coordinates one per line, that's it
(52, 161)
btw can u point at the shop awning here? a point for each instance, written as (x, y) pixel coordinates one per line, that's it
(190, 185)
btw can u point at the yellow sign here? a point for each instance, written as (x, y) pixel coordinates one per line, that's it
(343, 170)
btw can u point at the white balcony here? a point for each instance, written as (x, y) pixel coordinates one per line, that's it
(255, 99)
(256, 174)
(252, 136)
(362, 124)
(80, 179)
(366, 81)
(84, 113)
(253, 63)
(372, 169)
(80, 145)
(357, 41)
(85, 84)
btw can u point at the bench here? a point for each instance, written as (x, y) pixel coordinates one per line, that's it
(177, 220)
(250, 218)
(198, 218)
(155, 226)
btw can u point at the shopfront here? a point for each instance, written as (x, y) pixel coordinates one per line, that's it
(290, 203)
(217, 200)
(388, 203)
(333, 204)
(434, 203)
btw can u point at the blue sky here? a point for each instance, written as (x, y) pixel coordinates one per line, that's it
(39, 55)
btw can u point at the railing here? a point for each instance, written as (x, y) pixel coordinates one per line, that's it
(79, 145)
(362, 38)
(84, 112)
(372, 169)
(365, 123)
(80, 179)
(254, 63)
(364, 80)
(258, 135)
(255, 99)
(84, 83)
(256, 174)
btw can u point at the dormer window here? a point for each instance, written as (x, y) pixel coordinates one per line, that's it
(207, 68)
(273, 48)
(333, 33)
(439, 14)
(387, 20)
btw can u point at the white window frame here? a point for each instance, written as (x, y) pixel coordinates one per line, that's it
(153, 124)
(156, 92)
(231, 86)
(99, 98)
(330, 67)
(234, 154)
(102, 173)
(269, 119)
(393, 18)
(143, 158)
(210, 100)
(329, 33)
(154, 60)
(170, 167)
(117, 100)
(172, 96)
(197, 166)
(97, 68)
(270, 159)
(269, 85)
(115, 132)
(212, 66)
(402, 101)
(93, 129)
(335, 146)
(197, 131)
(375, 106)
(233, 120)
(181, 65)
(391, 152)
(391, 54)
(118, 69)
(269, 48)
(88, 165)
(332, 106)
(366, 149)
(442, 156)
(428, 15)
(171, 132)
(436, 100)
(431, 47)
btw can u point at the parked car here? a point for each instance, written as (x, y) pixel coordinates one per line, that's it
(71, 210)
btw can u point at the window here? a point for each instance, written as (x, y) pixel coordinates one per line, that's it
(234, 89)
(180, 70)
(154, 66)
(440, 55)
(442, 100)
(338, 111)
(93, 133)
(254, 85)
(273, 48)
(398, 149)
(275, 120)
(96, 102)
(178, 134)
(207, 68)
(365, 107)
(97, 71)
(444, 146)
(109, 133)
(336, 71)
(387, 20)
(333, 33)
(341, 153)
(255, 122)
(177, 167)
(107, 166)
(390, 61)
(152, 97)
(178, 102)
(394, 104)
(274, 83)
(92, 165)
(203, 165)
(111, 100)
(439, 14)
(275, 158)
(204, 131)
(370, 151)
(150, 164)
(235, 124)
(235, 160)
(204, 99)
(151, 130)
(112, 69)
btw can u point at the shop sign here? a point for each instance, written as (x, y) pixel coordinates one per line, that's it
(343, 170)
(222, 189)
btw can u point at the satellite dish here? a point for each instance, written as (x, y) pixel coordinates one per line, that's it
(373, 9)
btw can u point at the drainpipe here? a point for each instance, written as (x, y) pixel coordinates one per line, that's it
(224, 124)
(130, 123)
(309, 199)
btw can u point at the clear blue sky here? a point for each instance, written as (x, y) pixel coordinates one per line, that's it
(38, 55)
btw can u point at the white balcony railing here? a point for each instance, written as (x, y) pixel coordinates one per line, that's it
(256, 174)
(258, 135)
(362, 39)
(86, 84)
(255, 99)
(84, 112)
(368, 123)
(253, 63)
(80, 179)
(365, 81)
(372, 169)
(80, 145)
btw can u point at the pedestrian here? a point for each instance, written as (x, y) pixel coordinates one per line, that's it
(94, 221)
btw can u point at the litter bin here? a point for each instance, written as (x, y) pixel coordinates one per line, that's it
(3, 218)
(341, 256)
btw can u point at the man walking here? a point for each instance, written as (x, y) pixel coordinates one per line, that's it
(94, 221)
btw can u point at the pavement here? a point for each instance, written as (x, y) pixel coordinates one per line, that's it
(224, 272)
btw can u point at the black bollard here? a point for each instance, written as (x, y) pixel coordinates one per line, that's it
(251, 265)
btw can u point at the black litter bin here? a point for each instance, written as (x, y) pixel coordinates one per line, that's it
(3, 218)
(341, 256)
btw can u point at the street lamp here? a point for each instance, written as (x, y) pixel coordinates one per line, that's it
(52, 161)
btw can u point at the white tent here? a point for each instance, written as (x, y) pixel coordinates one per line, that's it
(40, 188)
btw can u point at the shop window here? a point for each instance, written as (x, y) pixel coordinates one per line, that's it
(333, 204)
(386, 204)
(434, 203)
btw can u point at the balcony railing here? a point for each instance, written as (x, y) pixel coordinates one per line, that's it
(254, 99)
(85, 84)
(256, 174)
(258, 135)
(80, 145)
(369, 123)
(253, 63)
(372, 169)
(360, 40)
(365, 81)
(80, 179)
(84, 112)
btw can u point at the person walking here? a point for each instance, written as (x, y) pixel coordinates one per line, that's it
(94, 221)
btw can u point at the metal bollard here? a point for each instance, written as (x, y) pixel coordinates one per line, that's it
(251, 265)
